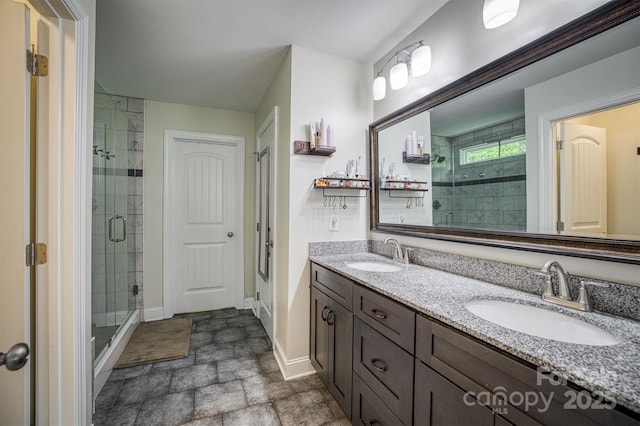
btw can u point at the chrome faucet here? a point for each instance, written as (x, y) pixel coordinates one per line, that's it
(397, 254)
(563, 281)
(563, 298)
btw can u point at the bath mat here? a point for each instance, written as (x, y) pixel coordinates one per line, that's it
(157, 341)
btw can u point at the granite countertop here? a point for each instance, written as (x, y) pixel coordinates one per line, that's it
(613, 371)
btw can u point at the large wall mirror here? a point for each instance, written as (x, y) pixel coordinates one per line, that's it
(539, 150)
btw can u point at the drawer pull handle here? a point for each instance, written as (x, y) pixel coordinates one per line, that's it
(379, 313)
(379, 365)
(324, 314)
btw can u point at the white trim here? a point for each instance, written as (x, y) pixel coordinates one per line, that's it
(547, 212)
(170, 137)
(249, 303)
(83, 362)
(153, 314)
(291, 369)
(273, 168)
(106, 363)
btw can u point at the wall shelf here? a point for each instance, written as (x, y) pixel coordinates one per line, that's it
(416, 159)
(304, 148)
(353, 184)
(404, 185)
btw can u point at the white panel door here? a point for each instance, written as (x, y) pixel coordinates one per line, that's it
(205, 223)
(14, 209)
(583, 188)
(265, 217)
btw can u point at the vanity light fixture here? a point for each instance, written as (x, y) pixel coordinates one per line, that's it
(498, 12)
(414, 59)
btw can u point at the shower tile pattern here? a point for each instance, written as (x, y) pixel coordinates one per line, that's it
(485, 195)
(230, 377)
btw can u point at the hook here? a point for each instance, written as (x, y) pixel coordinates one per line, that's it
(344, 206)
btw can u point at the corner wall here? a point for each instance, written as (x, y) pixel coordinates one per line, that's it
(279, 94)
(310, 86)
(338, 90)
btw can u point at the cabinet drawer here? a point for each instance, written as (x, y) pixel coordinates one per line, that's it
(385, 367)
(368, 409)
(333, 285)
(478, 368)
(392, 319)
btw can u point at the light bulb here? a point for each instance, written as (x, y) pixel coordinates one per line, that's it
(398, 76)
(379, 88)
(498, 12)
(421, 61)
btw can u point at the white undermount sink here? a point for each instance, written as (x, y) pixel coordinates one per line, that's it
(540, 322)
(374, 266)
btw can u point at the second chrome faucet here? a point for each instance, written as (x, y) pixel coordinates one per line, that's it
(398, 255)
(583, 302)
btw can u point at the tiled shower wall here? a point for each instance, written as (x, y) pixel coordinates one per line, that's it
(134, 111)
(486, 195)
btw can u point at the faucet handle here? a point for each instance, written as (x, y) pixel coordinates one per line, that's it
(548, 291)
(583, 296)
(406, 254)
(594, 283)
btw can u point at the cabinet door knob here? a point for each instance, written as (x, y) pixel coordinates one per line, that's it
(379, 365)
(325, 314)
(331, 317)
(378, 313)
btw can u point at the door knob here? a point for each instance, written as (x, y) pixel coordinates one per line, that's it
(16, 357)
(229, 234)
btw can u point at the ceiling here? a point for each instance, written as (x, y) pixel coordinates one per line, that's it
(225, 53)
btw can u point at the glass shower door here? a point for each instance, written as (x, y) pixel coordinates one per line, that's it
(112, 300)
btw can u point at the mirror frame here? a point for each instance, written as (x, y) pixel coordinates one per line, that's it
(593, 23)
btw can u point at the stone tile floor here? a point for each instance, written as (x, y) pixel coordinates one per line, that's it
(230, 377)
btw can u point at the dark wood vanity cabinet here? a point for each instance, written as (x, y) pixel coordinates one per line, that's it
(386, 365)
(331, 343)
(458, 370)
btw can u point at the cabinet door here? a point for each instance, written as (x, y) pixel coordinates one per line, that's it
(440, 402)
(340, 322)
(368, 409)
(319, 345)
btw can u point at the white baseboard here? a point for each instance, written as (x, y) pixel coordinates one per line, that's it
(153, 314)
(249, 304)
(292, 369)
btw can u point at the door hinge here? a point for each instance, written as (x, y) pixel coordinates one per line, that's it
(36, 254)
(559, 145)
(258, 227)
(258, 296)
(560, 226)
(135, 289)
(37, 65)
